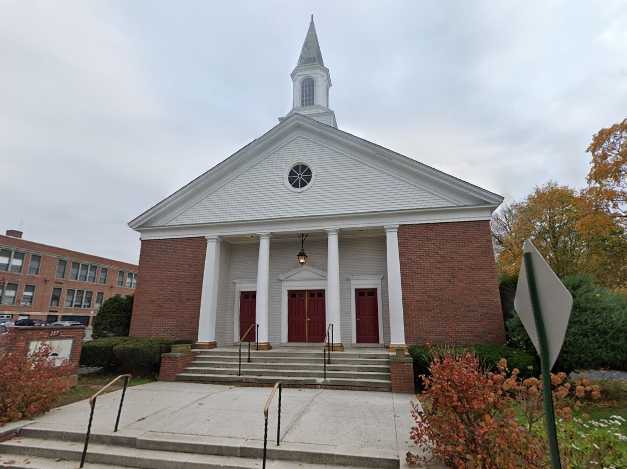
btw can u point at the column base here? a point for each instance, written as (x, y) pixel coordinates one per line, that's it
(338, 347)
(264, 346)
(206, 345)
(399, 349)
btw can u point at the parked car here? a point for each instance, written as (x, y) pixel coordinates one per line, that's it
(66, 323)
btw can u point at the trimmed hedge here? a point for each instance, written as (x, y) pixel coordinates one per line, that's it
(136, 355)
(488, 355)
(596, 333)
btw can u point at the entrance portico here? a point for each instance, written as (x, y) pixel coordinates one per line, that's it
(294, 303)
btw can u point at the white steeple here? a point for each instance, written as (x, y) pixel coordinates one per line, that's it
(311, 82)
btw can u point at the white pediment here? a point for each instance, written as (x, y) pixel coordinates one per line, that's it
(351, 176)
(303, 274)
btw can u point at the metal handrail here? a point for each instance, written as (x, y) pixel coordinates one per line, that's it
(328, 348)
(278, 386)
(92, 404)
(239, 365)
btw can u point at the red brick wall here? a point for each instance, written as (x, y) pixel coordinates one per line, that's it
(18, 340)
(45, 281)
(167, 300)
(450, 290)
(402, 375)
(172, 364)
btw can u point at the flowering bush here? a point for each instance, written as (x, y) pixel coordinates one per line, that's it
(469, 420)
(474, 419)
(30, 385)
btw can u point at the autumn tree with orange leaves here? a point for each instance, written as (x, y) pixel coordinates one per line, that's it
(578, 232)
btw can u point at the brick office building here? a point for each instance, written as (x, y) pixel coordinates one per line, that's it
(51, 283)
(390, 251)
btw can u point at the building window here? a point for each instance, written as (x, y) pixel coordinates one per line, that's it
(8, 293)
(17, 262)
(28, 295)
(35, 264)
(61, 266)
(131, 280)
(55, 299)
(103, 275)
(120, 278)
(5, 258)
(87, 299)
(299, 176)
(75, 268)
(78, 299)
(99, 299)
(82, 276)
(91, 277)
(69, 298)
(307, 92)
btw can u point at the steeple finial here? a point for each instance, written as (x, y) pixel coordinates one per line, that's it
(310, 53)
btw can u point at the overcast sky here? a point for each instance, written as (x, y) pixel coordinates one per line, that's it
(106, 107)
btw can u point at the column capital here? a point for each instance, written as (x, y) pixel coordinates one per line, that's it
(332, 231)
(213, 237)
(264, 235)
(391, 228)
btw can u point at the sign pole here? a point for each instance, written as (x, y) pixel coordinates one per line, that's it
(549, 412)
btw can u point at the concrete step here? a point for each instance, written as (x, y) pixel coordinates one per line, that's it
(291, 353)
(260, 371)
(336, 359)
(366, 384)
(383, 368)
(159, 450)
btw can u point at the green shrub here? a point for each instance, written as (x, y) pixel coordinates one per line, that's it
(596, 333)
(114, 317)
(137, 355)
(488, 355)
(99, 352)
(142, 356)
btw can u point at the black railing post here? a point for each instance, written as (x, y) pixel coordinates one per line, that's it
(324, 362)
(331, 341)
(249, 350)
(278, 425)
(239, 361)
(257, 337)
(117, 420)
(91, 417)
(265, 440)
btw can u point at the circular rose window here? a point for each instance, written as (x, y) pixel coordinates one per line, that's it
(299, 176)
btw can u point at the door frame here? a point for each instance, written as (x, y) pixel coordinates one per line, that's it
(240, 286)
(366, 281)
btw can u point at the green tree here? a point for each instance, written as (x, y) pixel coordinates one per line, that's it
(114, 317)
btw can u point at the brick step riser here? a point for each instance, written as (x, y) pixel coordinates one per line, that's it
(294, 366)
(267, 381)
(293, 373)
(210, 449)
(266, 359)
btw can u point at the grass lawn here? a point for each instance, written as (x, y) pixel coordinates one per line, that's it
(88, 385)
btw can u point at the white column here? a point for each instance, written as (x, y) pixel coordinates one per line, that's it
(333, 284)
(263, 286)
(209, 295)
(395, 293)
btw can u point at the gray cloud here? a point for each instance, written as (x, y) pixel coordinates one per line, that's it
(108, 106)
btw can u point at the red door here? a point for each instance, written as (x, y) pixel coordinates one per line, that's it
(367, 315)
(316, 317)
(296, 316)
(247, 303)
(306, 318)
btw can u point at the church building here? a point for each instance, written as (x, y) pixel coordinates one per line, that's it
(309, 230)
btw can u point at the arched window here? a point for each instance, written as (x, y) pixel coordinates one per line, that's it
(307, 92)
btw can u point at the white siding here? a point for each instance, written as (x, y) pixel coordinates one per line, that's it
(341, 184)
(365, 256)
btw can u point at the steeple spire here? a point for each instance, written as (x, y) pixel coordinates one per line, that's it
(310, 53)
(311, 81)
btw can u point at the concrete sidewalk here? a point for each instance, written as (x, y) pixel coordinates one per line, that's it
(353, 422)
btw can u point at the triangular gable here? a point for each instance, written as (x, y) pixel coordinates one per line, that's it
(249, 185)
